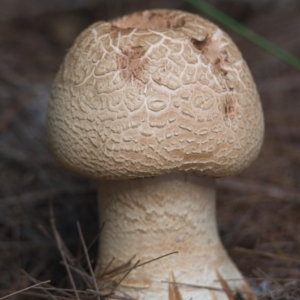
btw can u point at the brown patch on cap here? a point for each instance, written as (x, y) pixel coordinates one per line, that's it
(229, 107)
(161, 20)
(208, 48)
(212, 51)
(132, 62)
(155, 20)
(114, 28)
(200, 45)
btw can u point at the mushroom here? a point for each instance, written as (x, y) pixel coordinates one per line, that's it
(156, 105)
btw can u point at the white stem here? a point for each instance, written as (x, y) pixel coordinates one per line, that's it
(151, 217)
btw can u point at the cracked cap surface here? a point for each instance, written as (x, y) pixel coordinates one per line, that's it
(153, 93)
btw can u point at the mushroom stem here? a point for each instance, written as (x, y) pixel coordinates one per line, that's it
(150, 217)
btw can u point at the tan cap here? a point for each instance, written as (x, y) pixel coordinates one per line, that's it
(153, 93)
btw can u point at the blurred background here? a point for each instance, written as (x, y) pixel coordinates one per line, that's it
(258, 210)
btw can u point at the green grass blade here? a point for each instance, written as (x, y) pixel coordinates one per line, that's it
(246, 33)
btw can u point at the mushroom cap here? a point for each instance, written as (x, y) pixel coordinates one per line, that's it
(152, 93)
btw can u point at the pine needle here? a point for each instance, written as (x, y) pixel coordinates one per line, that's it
(23, 290)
